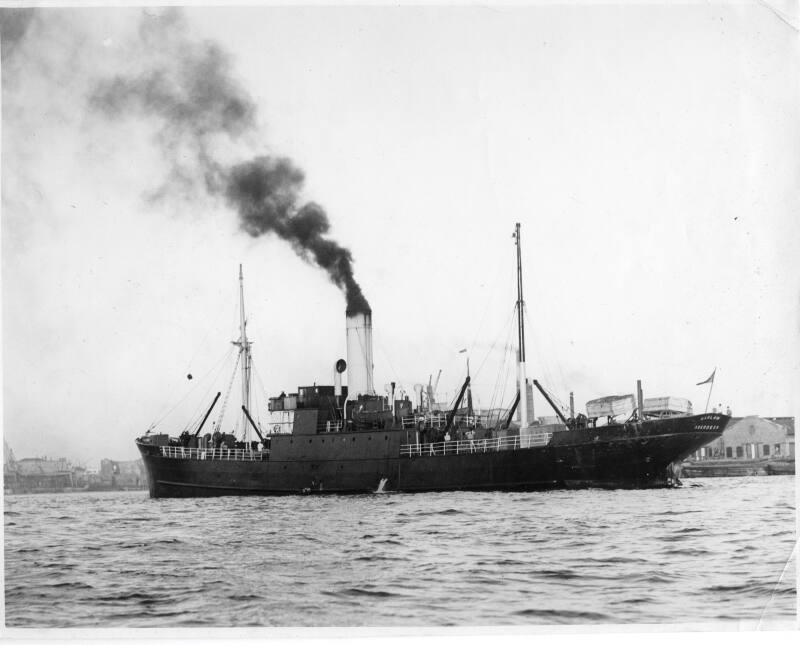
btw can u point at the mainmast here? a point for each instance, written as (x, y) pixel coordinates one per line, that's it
(244, 353)
(523, 379)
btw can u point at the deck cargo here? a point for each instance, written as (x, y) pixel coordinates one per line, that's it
(352, 439)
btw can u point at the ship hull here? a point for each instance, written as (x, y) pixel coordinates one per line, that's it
(635, 455)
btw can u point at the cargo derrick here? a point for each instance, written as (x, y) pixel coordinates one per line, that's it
(350, 439)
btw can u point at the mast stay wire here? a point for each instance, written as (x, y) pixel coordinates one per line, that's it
(263, 388)
(503, 372)
(255, 408)
(200, 408)
(501, 381)
(252, 321)
(506, 353)
(216, 366)
(388, 360)
(202, 343)
(543, 362)
(556, 400)
(503, 384)
(491, 348)
(228, 392)
(488, 305)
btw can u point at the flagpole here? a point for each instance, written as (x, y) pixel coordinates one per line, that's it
(711, 388)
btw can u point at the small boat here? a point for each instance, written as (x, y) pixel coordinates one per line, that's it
(349, 439)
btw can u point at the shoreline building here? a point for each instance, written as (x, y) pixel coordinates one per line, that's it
(119, 475)
(39, 474)
(750, 445)
(752, 437)
(57, 475)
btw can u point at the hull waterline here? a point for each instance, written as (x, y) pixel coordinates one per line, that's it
(633, 455)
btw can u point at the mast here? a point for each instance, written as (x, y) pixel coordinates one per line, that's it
(244, 353)
(523, 379)
(470, 411)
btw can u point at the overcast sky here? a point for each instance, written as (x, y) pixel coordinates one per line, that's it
(650, 153)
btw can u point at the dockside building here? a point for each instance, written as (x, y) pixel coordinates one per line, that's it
(752, 437)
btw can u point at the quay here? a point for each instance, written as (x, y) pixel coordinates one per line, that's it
(749, 446)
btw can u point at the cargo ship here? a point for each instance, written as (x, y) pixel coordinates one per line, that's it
(350, 439)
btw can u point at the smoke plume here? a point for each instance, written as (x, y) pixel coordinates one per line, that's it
(190, 90)
(14, 23)
(264, 191)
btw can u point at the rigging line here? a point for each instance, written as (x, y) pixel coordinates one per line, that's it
(507, 408)
(263, 355)
(202, 343)
(255, 407)
(386, 356)
(501, 369)
(555, 398)
(543, 367)
(228, 392)
(491, 349)
(545, 328)
(782, 16)
(502, 409)
(200, 408)
(511, 357)
(496, 388)
(501, 383)
(488, 306)
(454, 397)
(194, 389)
(258, 378)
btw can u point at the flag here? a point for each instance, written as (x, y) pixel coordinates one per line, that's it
(710, 379)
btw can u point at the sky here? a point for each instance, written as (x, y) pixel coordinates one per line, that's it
(649, 151)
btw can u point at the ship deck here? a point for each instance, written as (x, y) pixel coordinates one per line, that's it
(465, 446)
(214, 454)
(439, 448)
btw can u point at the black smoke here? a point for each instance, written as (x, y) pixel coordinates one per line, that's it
(265, 192)
(14, 23)
(192, 93)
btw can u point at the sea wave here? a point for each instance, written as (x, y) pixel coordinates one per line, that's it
(720, 551)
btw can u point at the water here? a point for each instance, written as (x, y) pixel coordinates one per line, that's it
(715, 550)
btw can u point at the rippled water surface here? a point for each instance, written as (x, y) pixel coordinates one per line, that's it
(716, 549)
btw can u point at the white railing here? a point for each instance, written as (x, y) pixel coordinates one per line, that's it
(330, 426)
(438, 420)
(474, 445)
(431, 420)
(223, 454)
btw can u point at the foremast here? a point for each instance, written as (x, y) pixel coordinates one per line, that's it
(522, 378)
(244, 357)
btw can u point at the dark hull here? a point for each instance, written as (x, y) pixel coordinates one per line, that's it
(635, 455)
